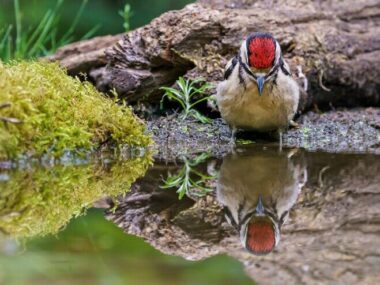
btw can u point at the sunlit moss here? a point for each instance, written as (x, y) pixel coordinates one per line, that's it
(41, 200)
(43, 110)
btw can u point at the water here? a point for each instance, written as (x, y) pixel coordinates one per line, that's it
(256, 214)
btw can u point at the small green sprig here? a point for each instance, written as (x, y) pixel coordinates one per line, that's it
(126, 14)
(184, 96)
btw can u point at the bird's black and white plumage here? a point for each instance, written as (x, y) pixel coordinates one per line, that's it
(258, 188)
(258, 92)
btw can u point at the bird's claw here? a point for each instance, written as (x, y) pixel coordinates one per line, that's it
(294, 124)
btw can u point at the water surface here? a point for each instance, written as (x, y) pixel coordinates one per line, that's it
(255, 214)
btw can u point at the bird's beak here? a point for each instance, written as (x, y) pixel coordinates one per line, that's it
(260, 84)
(260, 207)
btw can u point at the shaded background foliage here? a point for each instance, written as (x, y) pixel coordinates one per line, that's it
(98, 12)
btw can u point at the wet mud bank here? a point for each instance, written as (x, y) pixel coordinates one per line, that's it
(356, 130)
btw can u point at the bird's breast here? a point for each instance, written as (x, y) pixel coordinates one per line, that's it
(247, 110)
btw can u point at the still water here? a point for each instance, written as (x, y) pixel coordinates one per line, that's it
(257, 215)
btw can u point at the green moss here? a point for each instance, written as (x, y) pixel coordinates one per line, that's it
(41, 200)
(58, 113)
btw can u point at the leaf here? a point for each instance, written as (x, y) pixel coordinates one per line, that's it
(200, 117)
(199, 101)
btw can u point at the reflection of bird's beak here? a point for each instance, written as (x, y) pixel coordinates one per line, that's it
(260, 84)
(260, 207)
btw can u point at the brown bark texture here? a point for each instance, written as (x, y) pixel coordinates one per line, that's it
(336, 43)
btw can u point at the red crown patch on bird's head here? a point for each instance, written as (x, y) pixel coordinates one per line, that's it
(261, 48)
(261, 237)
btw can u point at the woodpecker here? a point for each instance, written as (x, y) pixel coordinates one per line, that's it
(257, 190)
(258, 92)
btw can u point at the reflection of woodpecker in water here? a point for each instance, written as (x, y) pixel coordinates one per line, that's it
(258, 189)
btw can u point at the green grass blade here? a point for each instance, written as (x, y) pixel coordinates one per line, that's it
(8, 49)
(5, 38)
(199, 101)
(6, 44)
(182, 84)
(91, 32)
(38, 29)
(171, 90)
(18, 24)
(43, 37)
(66, 37)
(200, 117)
(175, 96)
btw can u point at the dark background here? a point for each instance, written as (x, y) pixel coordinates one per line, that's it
(98, 12)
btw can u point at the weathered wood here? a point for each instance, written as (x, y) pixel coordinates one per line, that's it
(337, 45)
(84, 56)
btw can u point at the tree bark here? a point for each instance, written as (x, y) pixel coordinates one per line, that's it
(337, 45)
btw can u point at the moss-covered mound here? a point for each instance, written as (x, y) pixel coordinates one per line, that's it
(43, 110)
(41, 200)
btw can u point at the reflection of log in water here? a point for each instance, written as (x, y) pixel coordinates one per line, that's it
(331, 236)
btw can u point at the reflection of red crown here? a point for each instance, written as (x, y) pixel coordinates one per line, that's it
(260, 237)
(262, 51)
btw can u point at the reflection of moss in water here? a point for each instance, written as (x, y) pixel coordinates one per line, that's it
(42, 200)
(43, 110)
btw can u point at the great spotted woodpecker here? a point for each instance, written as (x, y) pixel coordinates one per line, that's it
(258, 92)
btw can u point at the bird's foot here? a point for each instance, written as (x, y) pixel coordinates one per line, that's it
(292, 152)
(294, 124)
(233, 136)
(280, 138)
(211, 103)
(303, 77)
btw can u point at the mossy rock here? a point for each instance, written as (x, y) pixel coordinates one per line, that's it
(45, 111)
(40, 200)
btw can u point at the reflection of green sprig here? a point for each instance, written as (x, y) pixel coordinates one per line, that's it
(184, 96)
(244, 142)
(185, 180)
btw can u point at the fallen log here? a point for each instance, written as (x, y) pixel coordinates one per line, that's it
(335, 44)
